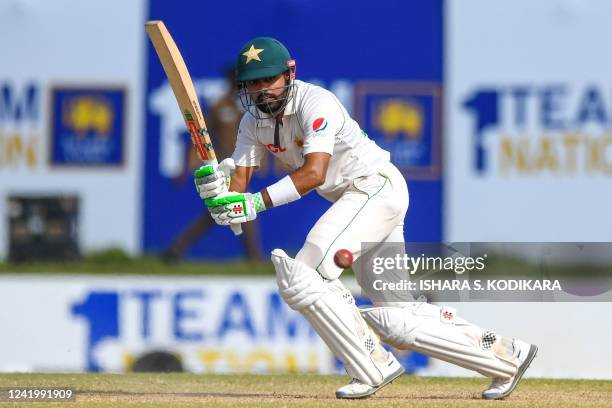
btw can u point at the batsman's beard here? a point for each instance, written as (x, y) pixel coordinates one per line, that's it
(271, 104)
(263, 103)
(270, 107)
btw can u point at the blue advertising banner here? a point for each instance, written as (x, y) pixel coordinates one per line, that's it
(336, 45)
(87, 126)
(404, 118)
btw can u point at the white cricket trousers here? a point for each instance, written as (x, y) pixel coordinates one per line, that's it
(371, 210)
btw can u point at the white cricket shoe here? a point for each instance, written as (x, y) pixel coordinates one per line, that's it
(391, 369)
(502, 387)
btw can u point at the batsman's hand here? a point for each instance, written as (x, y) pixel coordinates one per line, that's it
(213, 180)
(235, 208)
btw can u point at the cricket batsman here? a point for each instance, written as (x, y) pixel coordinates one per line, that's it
(307, 128)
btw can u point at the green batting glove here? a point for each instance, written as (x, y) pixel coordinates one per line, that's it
(212, 180)
(235, 208)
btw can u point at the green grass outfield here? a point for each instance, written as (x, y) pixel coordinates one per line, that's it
(117, 262)
(190, 390)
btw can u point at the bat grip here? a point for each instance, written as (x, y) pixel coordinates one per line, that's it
(237, 229)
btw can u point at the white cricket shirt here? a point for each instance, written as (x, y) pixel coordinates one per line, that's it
(314, 121)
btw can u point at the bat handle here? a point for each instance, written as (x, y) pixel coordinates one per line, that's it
(237, 229)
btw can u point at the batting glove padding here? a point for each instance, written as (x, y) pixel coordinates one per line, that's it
(213, 180)
(235, 208)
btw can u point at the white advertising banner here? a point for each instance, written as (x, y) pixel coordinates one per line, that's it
(528, 141)
(214, 324)
(71, 112)
(240, 324)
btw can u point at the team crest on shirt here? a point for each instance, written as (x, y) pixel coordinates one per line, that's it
(319, 124)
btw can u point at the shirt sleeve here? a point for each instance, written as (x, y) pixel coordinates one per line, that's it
(248, 151)
(322, 120)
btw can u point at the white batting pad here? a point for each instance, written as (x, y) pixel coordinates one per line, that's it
(439, 333)
(331, 310)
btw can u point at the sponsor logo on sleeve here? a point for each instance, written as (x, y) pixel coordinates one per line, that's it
(319, 125)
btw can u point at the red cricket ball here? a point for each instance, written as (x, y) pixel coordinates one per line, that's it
(343, 258)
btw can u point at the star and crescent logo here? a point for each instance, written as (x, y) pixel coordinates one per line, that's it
(252, 54)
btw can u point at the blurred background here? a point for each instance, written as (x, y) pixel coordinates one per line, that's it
(497, 113)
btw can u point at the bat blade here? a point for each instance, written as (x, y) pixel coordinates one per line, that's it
(182, 86)
(186, 97)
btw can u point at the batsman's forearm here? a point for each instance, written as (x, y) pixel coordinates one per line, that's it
(266, 198)
(268, 201)
(282, 192)
(292, 187)
(307, 179)
(238, 186)
(240, 179)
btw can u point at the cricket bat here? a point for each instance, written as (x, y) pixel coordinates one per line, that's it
(186, 97)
